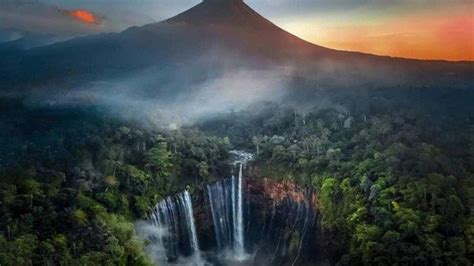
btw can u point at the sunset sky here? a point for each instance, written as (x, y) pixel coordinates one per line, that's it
(414, 29)
(424, 29)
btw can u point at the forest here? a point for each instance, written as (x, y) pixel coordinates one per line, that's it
(237, 132)
(73, 199)
(395, 185)
(393, 188)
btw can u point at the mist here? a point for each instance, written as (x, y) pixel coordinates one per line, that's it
(205, 87)
(182, 95)
(146, 230)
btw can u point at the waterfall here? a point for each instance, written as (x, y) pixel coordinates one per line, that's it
(303, 232)
(239, 248)
(188, 210)
(219, 196)
(227, 210)
(167, 221)
(250, 221)
(158, 235)
(174, 219)
(234, 212)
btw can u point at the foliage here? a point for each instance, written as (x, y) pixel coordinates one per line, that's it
(394, 184)
(77, 205)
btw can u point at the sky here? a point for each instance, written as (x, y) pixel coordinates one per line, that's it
(422, 29)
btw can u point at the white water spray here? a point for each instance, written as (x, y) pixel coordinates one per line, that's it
(227, 209)
(174, 222)
(188, 211)
(239, 248)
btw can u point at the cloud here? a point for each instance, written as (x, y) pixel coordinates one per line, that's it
(133, 98)
(179, 94)
(36, 18)
(84, 16)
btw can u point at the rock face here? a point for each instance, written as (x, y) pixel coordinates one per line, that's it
(278, 192)
(281, 225)
(240, 221)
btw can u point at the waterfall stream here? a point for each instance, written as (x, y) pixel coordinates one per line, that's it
(186, 202)
(239, 249)
(177, 235)
(237, 226)
(226, 204)
(219, 196)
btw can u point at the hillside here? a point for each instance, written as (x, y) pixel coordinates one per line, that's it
(211, 36)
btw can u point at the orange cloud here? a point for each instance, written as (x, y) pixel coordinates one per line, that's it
(84, 16)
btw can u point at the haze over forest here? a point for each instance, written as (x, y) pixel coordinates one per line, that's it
(214, 135)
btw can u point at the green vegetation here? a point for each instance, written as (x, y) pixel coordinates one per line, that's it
(394, 187)
(77, 204)
(395, 184)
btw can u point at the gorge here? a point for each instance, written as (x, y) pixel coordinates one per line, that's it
(235, 221)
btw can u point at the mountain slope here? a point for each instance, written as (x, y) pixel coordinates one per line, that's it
(237, 22)
(212, 36)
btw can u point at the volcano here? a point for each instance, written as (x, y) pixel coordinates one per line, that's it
(241, 24)
(213, 35)
(233, 26)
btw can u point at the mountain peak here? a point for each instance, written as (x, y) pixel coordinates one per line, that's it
(235, 20)
(220, 12)
(223, 1)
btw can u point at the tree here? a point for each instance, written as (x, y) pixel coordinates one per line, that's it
(158, 159)
(257, 141)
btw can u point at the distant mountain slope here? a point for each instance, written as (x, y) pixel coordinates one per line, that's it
(238, 19)
(212, 36)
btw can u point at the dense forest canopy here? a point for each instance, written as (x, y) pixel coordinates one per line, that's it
(97, 130)
(394, 184)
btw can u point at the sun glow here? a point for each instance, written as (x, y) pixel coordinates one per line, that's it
(428, 36)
